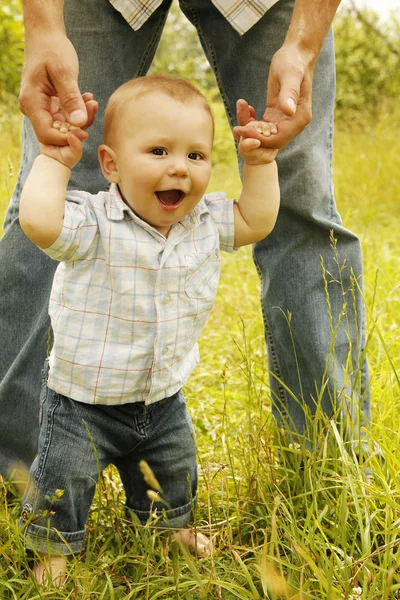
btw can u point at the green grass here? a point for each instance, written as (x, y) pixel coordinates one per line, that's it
(286, 523)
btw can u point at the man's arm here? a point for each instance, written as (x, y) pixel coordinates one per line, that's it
(310, 23)
(50, 69)
(291, 72)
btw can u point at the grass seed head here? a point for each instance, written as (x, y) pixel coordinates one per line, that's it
(149, 476)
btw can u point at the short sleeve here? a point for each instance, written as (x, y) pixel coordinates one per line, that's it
(221, 212)
(79, 231)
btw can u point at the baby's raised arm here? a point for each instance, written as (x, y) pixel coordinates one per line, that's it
(41, 212)
(257, 209)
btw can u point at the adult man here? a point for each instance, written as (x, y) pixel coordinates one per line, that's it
(288, 47)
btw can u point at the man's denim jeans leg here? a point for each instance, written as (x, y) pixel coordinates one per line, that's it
(110, 52)
(289, 260)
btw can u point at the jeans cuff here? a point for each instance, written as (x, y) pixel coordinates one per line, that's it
(50, 540)
(173, 518)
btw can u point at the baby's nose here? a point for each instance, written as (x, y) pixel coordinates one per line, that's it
(178, 167)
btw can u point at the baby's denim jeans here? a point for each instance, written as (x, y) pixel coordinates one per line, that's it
(77, 441)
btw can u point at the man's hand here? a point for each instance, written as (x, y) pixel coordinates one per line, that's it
(288, 98)
(51, 69)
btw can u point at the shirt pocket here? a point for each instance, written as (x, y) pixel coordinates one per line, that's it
(202, 274)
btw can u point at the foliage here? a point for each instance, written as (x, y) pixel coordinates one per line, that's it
(11, 49)
(367, 67)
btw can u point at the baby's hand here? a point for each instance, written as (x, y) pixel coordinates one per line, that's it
(68, 150)
(250, 148)
(59, 118)
(68, 155)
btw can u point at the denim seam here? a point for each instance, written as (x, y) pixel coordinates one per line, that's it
(364, 365)
(44, 390)
(331, 198)
(270, 341)
(43, 456)
(214, 62)
(142, 69)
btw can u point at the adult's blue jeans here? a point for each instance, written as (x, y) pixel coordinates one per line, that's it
(306, 367)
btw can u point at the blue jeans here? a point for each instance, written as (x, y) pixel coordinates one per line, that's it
(288, 260)
(70, 460)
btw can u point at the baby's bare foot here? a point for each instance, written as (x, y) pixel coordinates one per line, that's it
(51, 570)
(196, 542)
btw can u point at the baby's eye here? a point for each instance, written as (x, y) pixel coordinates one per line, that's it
(195, 156)
(158, 151)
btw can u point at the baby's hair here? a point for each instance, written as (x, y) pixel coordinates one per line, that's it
(175, 87)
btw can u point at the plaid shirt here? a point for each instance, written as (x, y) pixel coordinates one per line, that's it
(127, 304)
(241, 14)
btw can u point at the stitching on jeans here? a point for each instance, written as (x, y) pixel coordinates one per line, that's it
(364, 392)
(270, 342)
(332, 205)
(331, 194)
(49, 432)
(213, 61)
(268, 332)
(142, 68)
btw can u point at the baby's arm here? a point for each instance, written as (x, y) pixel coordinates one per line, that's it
(256, 212)
(41, 212)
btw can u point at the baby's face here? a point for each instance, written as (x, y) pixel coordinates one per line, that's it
(163, 155)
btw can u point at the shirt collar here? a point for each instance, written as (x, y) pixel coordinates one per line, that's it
(115, 206)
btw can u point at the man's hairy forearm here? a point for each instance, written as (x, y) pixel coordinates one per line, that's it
(43, 14)
(310, 23)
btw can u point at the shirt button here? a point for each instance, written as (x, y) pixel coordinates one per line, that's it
(165, 350)
(165, 298)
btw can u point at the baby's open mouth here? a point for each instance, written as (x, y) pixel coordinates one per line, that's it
(170, 197)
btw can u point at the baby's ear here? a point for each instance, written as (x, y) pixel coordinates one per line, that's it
(108, 163)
